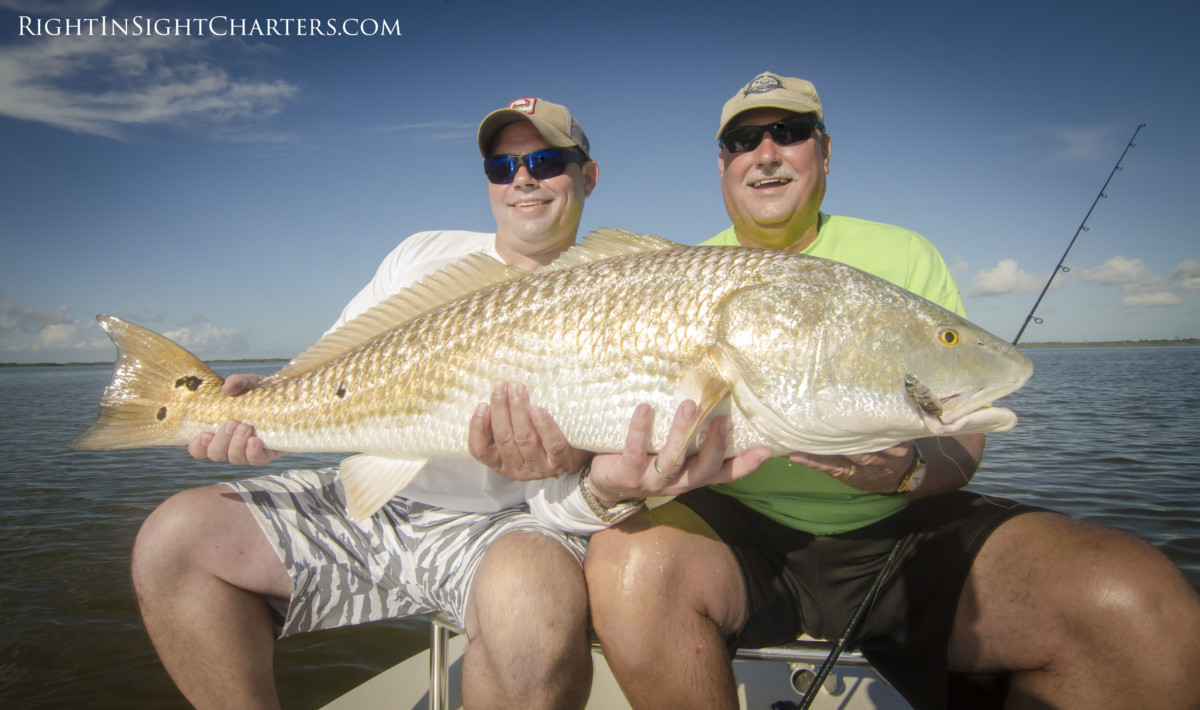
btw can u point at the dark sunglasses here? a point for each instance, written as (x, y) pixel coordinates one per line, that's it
(541, 164)
(786, 132)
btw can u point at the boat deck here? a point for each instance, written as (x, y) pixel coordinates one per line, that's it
(765, 677)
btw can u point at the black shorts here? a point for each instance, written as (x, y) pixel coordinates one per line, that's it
(799, 583)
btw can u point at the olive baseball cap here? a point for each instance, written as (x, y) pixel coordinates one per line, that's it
(769, 90)
(553, 121)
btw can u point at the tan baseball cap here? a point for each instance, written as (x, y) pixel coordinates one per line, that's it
(553, 121)
(769, 90)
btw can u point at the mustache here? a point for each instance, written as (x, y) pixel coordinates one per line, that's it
(759, 175)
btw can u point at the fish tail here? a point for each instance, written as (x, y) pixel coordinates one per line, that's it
(153, 382)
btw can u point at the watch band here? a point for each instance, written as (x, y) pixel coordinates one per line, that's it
(915, 474)
(619, 511)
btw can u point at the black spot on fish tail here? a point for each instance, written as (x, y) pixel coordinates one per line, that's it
(162, 414)
(341, 392)
(191, 382)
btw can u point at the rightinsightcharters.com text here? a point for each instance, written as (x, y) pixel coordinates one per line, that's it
(216, 26)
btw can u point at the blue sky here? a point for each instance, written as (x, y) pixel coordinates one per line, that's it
(235, 191)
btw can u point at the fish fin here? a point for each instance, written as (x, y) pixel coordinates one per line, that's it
(152, 382)
(371, 481)
(465, 276)
(713, 391)
(607, 242)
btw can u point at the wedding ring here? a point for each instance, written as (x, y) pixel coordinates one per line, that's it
(662, 474)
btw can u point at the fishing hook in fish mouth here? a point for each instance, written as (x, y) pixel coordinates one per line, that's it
(922, 396)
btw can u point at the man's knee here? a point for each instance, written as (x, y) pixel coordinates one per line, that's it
(1076, 590)
(205, 531)
(1121, 580)
(1142, 595)
(619, 570)
(162, 542)
(527, 611)
(527, 583)
(665, 561)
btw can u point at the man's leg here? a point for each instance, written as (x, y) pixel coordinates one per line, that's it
(201, 567)
(1083, 616)
(527, 621)
(666, 594)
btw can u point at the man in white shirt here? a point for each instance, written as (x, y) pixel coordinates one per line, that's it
(222, 571)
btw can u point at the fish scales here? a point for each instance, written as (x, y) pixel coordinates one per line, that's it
(802, 353)
(591, 343)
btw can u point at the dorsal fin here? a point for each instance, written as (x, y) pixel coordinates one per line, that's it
(464, 276)
(606, 242)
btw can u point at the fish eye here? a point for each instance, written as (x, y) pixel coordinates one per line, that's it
(948, 337)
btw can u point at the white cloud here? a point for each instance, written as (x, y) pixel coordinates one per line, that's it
(1141, 287)
(103, 85)
(59, 8)
(1134, 296)
(15, 318)
(1117, 271)
(1187, 275)
(1007, 277)
(28, 333)
(44, 335)
(58, 335)
(1148, 291)
(208, 341)
(1081, 143)
(958, 266)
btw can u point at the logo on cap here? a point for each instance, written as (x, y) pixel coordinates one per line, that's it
(763, 83)
(525, 104)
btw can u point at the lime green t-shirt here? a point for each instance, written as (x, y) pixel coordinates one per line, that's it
(798, 496)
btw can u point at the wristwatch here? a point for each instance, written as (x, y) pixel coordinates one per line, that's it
(914, 476)
(618, 512)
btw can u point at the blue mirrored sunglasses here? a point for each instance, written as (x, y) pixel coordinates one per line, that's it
(541, 164)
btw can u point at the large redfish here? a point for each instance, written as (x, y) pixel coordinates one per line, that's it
(805, 354)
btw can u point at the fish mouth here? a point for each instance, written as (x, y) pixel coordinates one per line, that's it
(959, 405)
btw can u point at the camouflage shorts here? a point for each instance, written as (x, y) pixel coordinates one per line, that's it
(407, 559)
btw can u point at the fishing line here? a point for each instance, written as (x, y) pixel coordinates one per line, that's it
(962, 472)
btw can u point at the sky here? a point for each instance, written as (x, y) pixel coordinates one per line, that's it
(235, 187)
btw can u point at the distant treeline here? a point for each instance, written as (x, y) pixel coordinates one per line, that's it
(1112, 343)
(88, 364)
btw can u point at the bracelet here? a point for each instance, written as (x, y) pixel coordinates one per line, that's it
(621, 510)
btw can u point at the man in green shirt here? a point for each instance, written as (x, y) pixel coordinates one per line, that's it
(988, 602)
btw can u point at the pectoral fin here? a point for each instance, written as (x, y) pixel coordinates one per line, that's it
(713, 391)
(371, 481)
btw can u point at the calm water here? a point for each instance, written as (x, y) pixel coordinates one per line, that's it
(1107, 434)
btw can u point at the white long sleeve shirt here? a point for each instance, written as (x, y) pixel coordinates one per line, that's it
(465, 484)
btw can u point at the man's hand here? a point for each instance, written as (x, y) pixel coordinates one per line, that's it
(518, 441)
(951, 461)
(524, 443)
(635, 472)
(235, 441)
(874, 472)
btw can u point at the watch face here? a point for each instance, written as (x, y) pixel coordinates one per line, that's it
(917, 478)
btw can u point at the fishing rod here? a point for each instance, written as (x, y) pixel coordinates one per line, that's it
(1082, 228)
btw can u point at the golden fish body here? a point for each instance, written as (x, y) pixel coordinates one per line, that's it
(804, 354)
